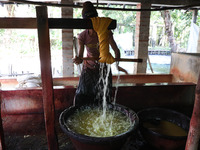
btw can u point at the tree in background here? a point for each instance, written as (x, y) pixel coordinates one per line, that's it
(11, 13)
(177, 23)
(169, 30)
(125, 20)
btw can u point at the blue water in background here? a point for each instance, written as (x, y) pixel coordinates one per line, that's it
(159, 63)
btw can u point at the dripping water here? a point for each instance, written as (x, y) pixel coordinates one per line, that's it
(117, 85)
(103, 90)
(115, 95)
(104, 78)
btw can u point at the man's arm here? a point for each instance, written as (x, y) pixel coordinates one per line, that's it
(117, 52)
(77, 60)
(114, 45)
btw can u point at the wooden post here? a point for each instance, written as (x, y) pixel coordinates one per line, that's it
(142, 37)
(194, 131)
(2, 141)
(46, 74)
(67, 42)
(194, 16)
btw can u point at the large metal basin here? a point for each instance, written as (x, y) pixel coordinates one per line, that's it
(159, 140)
(83, 142)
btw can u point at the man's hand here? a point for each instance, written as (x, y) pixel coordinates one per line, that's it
(77, 60)
(122, 69)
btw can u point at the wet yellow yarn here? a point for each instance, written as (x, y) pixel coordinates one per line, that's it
(100, 25)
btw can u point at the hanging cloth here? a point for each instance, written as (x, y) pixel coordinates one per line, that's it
(100, 25)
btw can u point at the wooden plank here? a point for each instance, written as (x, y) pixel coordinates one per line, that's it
(9, 84)
(31, 122)
(54, 23)
(144, 78)
(46, 74)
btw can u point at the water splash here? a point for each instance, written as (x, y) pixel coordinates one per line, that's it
(103, 89)
(104, 92)
(117, 85)
(114, 100)
(88, 121)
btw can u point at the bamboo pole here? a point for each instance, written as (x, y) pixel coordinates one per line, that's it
(128, 60)
(116, 59)
(46, 74)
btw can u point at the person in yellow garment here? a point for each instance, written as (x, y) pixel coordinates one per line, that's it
(90, 87)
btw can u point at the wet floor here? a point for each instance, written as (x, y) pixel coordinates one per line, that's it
(39, 142)
(35, 142)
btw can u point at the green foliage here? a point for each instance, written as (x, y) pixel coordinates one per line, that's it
(198, 20)
(126, 23)
(55, 39)
(77, 13)
(2, 31)
(181, 22)
(156, 18)
(27, 42)
(125, 19)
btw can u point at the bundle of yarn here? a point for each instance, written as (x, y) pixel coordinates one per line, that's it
(100, 25)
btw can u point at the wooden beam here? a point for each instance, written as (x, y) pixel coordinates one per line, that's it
(154, 2)
(53, 23)
(159, 3)
(46, 74)
(71, 23)
(28, 23)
